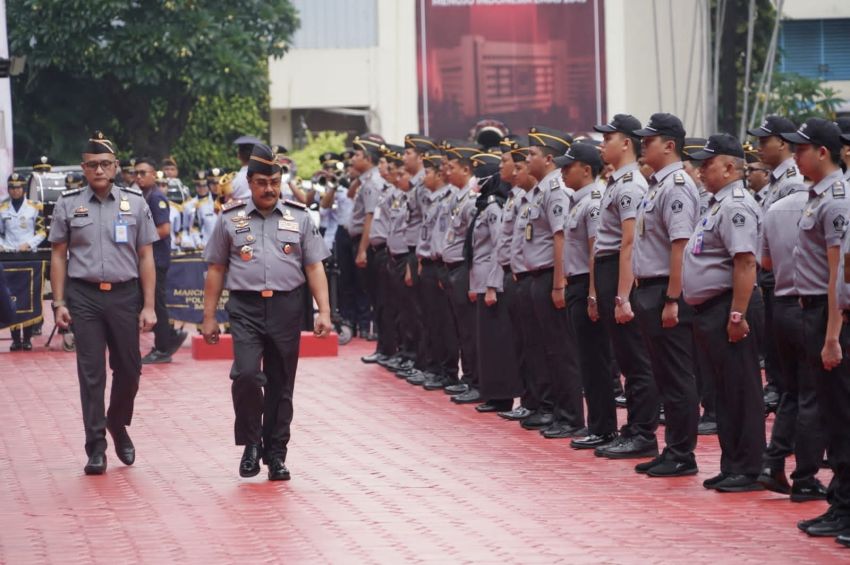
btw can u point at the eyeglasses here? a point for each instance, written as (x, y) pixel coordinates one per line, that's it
(263, 183)
(94, 165)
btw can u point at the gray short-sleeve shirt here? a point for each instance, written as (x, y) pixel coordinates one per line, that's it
(485, 235)
(582, 225)
(779, 239)
(461, 207)
(548, 207)
(625, 191)
(366, 199)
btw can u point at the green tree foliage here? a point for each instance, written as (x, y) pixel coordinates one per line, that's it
(307, 158)
(800, 98)
(136, 68)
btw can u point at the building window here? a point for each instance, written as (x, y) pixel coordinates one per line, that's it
(336, 24)
(816, 48)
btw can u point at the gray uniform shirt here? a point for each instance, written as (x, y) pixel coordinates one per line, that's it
(383, 214)
(435, 199)
(582, 224)
(366, 200)
(504, 241)
(784, 179)
(626, 189)
(521, 211)
(443, 219)
(731, 226)
(549, 205)
(779, 239)
(89, 226)
(461, 207)
(265, 252)
(417, 204)
(704, 199)
(485, 236)
(822, 226)
(668, 212)
(399, 219)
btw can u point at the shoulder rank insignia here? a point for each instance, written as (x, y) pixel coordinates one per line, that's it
(792, 171)
(679, 178)
(132, 190)
(233, 204)
(738, 193)
(554, 184)
(596, 194)
(491, 199)
(628, 176)
(838, 189)
(295, 204)
(71, 192)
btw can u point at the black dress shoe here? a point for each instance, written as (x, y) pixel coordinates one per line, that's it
(456, 388)
(830, 527)
(277, 470)
(538, 421)
(628, 448)
(713, 481)
(27, 346)
(494, 406)
(806, 491)
(843, 540)
(593, 441)
(671, 468)
(434, 382)
(771, 401)
(804, 525)
(774, 480)
(250, 464)
(707, 428)
(559, 430)
(16, 346)
(416, 379)
(738, 483)
(124, 448)
(391, 362)
(620, 400)
(469, 397)
(644, 467)
(373, 358)
(156, 357)
(518, 413)
(96, 464)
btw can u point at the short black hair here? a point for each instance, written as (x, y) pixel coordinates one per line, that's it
(678, 141)
(146, 161)
(636, 144)
(596, 168)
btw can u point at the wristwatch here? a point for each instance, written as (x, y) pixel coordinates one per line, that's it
(670, 299)
(58, 304)
(620, 301)
(591, 301)
(736, 317)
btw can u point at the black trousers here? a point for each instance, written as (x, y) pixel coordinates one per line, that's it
(797, 428)
(439, 323)
(353, 300)
(404, 301)
(833, 395)
(384, 303)
(772, 364)
(560, 352)
(266, 336)
(538, 385)
(366, 280)
(498, 364)
(106, 321)
(416, 293)
(456, 286)
(736, 371)
(594, 355)
(671, 354)
(163, 332)
(705, 384)
(510, 300)
(630, 353)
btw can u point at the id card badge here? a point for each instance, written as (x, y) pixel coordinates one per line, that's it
(122, 231)
(698, 243)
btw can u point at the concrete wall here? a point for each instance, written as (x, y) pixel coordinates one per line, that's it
(815, 9)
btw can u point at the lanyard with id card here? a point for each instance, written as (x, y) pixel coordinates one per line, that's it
(122, 231)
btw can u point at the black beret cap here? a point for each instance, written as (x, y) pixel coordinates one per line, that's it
(459, 149)
(817, 131)
(623, 123)
(718, 144)
(262, 160)
(542, 136)
(773, 125)
(246, 140)
(369, 142)
(662, 124)
(485, 164)
(433, 158)
(582, 152)
(98, 144)
(419, 142)
(693, 144)
(392, 152)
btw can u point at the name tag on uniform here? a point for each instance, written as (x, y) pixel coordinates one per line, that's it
(287, 225)
(377, 214)
(698, 243)
(122, 232)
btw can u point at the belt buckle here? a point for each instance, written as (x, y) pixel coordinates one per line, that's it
(267, 293)
(105, 286)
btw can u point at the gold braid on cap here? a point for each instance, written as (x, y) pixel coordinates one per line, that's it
(104, 142)
(539, 136)
(263, 161)
(363, 142)
(411, 141)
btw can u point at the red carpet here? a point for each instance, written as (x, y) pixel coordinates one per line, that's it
(382, 473)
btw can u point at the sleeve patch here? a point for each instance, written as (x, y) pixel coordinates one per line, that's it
(677, 206)
(162, 204)
(839, 223)
(738, 220)
(558, 210)
(594, 213)
(626, 201)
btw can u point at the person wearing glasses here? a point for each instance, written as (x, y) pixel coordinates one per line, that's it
(101, 238)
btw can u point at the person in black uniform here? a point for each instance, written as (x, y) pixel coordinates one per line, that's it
(263, 251)
(101, 250)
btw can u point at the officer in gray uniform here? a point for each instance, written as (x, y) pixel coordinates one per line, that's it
(542, 243)
(844, 281)
(101, 238)
(844, 125)
(797, 428)
(816, 274)
(665, 221)
(719, 274)
(461, 208)
(580, 168)
(613, 279)
(263, 251)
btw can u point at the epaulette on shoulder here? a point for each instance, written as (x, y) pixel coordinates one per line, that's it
(176, 206)
(554, 184)
(71, 192)
(791, 172)
(232, 205)
(628, 176)
(132, 190)
(295, 204)
(37, 205)
(596, 194)
(491, 199)
(4, 205)
(738, 194)
(838, 189)
(679, 179)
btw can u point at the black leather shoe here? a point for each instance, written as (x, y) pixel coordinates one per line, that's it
(96, 464)
(642, 468)
(806, 491)
(830, 527)
(538, 421)
(277, 470)
(250, 464)
(124, 448)
(593, 441)
(178, 342)
(156, 357)
(456, 388)
(469, 397)
(628, 448)
(494, 406)
(373, 358)
(518, 413)
(27, 346)
(804, 525)
(774, 480)
(16, 346)
(562, 431)
(713, 481)
(771, 401)
(434, 382)
(673, 469)
(416, 379)
(392, 362)
(843, 540)
(738, 483)
(620, 400)
(707, 428)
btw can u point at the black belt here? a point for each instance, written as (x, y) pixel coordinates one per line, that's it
(400, 256)
(411, 249)
(107, 286)
(790, 299)
(602, 259)
(813, 300)
(579, 279)
(522, 276)
(426, 262)
(506, 268)
(260, 293)
(456, 265)
(541, 272)
(378, 247)
(713, 301)
(651, 281)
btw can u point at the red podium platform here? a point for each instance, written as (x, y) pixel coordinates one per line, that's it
(311, 346)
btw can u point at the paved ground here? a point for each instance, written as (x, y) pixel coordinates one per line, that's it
(382, 473)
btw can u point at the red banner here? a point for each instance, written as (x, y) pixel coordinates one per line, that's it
(523, 62)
